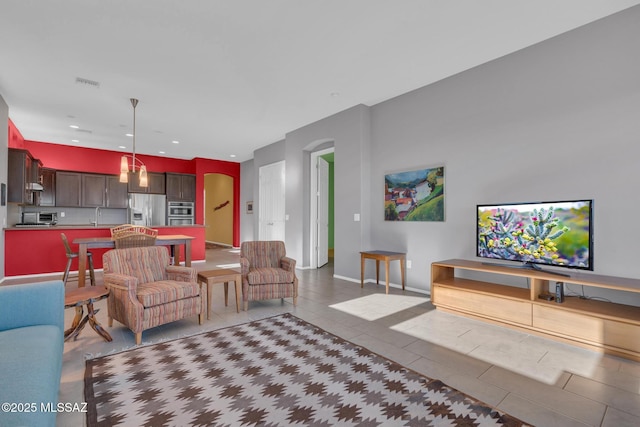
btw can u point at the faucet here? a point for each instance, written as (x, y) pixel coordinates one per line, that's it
(95, 223)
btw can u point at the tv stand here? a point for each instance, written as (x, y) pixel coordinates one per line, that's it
(527, 266)
(604, 326)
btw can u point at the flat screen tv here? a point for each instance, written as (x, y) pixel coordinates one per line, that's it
(558, 234)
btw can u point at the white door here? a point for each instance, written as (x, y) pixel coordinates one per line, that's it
(323, 212)
(271, 211)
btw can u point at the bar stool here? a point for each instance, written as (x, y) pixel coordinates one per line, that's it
(70, 256)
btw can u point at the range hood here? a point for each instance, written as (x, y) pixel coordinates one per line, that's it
(34, 186)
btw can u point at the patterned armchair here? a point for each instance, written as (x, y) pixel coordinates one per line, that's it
(266, 272)
(146, 291)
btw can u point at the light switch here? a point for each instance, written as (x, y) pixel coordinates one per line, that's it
(286, 217)
(356, 217)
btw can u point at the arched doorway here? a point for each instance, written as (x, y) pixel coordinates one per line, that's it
(218, 209)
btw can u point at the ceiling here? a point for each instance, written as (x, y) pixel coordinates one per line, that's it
(225, 77)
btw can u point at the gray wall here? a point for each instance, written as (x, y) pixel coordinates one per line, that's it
(558, 120)
(4, 158)
(246, 195)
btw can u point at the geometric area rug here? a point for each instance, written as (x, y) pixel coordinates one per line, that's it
(278, 371)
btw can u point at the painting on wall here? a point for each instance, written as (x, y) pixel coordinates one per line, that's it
(416, 195)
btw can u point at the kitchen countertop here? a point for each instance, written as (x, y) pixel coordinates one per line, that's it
(91, 227)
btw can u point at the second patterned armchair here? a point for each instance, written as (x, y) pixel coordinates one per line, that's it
(146, 291)
(267, 273)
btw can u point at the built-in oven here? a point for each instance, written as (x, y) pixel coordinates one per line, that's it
(180, 213)
(179, 221)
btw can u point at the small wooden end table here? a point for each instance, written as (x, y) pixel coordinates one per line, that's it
(223, 275)
(78, 298)
(385, 256)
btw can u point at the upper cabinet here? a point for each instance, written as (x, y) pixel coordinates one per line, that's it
(181, 187)
(156, 183)
(117, 196)
(23, 177)
(94, 190)
(68, 189)
(48, 181)
(89, 190)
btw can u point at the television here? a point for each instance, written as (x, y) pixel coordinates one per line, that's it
(558, 234)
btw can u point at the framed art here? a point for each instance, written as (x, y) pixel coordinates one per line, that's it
(415, 195)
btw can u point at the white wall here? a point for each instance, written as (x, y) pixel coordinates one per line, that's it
(558, 120)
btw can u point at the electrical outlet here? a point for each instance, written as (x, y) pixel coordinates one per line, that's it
(61, 214)
(409, 263)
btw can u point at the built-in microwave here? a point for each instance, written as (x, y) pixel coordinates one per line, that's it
(183, 209)
(48, 218)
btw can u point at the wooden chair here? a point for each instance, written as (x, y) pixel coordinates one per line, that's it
(70, 256)
(135, 236)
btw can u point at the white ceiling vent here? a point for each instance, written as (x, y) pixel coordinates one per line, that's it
(87, 82)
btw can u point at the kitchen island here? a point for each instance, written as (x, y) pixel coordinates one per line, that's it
(39, 250)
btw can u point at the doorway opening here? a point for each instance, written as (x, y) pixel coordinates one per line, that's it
(218, 209)
(322, 207)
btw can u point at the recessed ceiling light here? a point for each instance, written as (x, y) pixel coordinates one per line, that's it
(176, 142)
(74, 126)
(121, 146)
(335, 94)
(161, 152)
(232, 155)
(75, 140)
(128, 134)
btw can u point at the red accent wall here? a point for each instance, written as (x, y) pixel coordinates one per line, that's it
(232, 169)
(15, 137)
(65, 157)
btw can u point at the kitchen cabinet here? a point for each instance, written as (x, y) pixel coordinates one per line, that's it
(68, 189)
(23, 171)
(48, 181)
(90, 190)
(155, 180)
(93, 190)
(181, 187)
(117, 196)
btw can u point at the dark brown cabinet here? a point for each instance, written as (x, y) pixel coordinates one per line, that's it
(48, 181)
(116, 192)
(68, 189)
(94, 190)
(89, 190)
(155, 180)
(181, 187)
(24, 171)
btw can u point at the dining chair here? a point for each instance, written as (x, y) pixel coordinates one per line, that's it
(135, 236)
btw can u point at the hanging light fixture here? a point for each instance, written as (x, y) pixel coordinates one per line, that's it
(124, 160)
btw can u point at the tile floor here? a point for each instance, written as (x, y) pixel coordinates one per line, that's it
(543, 382)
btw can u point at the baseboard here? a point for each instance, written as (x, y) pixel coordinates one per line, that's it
(391, 284)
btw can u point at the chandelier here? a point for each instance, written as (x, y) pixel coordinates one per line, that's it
(136, 163)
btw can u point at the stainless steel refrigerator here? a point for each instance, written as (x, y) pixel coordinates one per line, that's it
(147, 209)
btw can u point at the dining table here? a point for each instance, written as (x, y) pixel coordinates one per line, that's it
(174, 241)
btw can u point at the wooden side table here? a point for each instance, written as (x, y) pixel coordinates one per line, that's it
(225, 276)
(385, 256)
(78, 298)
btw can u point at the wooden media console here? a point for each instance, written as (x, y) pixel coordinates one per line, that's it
(606, 326)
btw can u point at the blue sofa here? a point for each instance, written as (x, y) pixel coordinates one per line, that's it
(31, 347)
